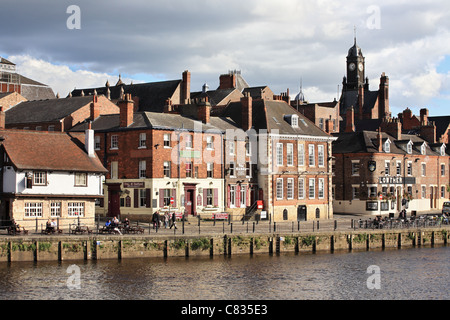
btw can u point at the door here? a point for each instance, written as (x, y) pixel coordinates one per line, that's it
(190, 202)
(113, 203)
(301, 213)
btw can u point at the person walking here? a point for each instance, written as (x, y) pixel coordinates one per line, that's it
(173, 221)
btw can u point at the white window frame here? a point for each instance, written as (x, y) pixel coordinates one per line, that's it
(423, 169)
(167, 169)
(312, 188)
(39, 178)
(311, 155)
(301, 155)
(33, 209)
(210, 142)
(97, 142)
(321, 155)
(75, 209)
(301, 188)
(279, 189)
(142, 169)
(81, 179)
(279, 154)
(290, 188)
(166, 140)
(290, 154)
(355, 168)
(114, 142)
(142, 140)
(55, 209)
(321, 191)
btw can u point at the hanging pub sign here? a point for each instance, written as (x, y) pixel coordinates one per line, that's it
(372, 165)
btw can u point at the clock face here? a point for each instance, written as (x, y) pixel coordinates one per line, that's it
(352, 66)
(361, 67)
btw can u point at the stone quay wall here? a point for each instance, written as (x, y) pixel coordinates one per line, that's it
(59, 248)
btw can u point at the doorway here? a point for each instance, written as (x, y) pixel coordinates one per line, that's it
(114, 200)
(301, 213)
(190, 200)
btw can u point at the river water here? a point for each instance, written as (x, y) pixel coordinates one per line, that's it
(410, 274)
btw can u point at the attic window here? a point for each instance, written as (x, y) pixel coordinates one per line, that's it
(294, 121)
(443, 150)
(423, 149)
(387, 146)
(409, 148)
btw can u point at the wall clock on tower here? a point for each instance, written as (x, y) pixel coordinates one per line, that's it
(352, 66)
(361, 67)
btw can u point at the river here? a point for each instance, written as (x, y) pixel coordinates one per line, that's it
(405, 274)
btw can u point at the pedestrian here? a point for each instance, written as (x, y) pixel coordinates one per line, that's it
(173, 221)
(155, 219)
(166, 220)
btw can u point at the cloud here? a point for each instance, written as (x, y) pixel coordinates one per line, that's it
(274, 43)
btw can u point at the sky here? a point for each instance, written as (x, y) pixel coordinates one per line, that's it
(276, 43)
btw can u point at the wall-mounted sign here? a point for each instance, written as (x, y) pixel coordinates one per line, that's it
(372, 166)
(134, 185)
(396, 180)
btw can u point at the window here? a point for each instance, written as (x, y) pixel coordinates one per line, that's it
(311, 155)
(166, 197)
(290, 154)
(248, 149)
(443, 150)
(248, 169)
(301, 188)
(75, 209)
(387, 167)
(424, 169)
(232, 147)
(243, 196)
(188, 169)
(210, 170)
(424, 192)
(114, 142)
(355, 193)
(142, 198)
(210, 142)
(114, 169)
(321, 123)
(409, 168)
(409, 148)
(80, 179)
(188, 141)
(142, 140)
(290, 188)
(399, 168)
(355, 168)
(38, 128)
(279, 154)
(142, 169)
(209, 197)
(232, 169)
(410, 190)
(51, 128)
(294, 121)
(166, 169)
(312, 188)
(387, 146)
(442, 170)
(321, 188)
(372, 192)
(423, 149)
(279, 188)
(40, 178)
(442, 192)
(33, 209)
(232, 196)
(55, 209)
(321, 155)
(166, 140)
(301, 154)
(97, 142)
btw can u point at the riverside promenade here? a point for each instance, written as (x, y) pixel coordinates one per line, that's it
(209, 238)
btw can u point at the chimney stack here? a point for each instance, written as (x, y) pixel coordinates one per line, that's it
(383, 95)
(186, 87)
(380, 140)
(360, 102)
(126, 107)
(2, 118)
(350, 120)
(392, 126)
(247, 110)
(204, 111)
(89, 140)
(423, 117)
(95, 108)
(227, 81)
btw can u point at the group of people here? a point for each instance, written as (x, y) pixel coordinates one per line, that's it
(51, 226)
(114, 224)
(169, 221)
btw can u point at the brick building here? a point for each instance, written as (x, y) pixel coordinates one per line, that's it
(57, 114)
(385, 171)
(155, 157)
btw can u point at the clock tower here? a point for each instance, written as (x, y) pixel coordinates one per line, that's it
(355, 69)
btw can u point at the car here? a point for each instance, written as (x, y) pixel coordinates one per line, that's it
(446, 207)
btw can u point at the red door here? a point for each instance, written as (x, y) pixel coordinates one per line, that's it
(114, 200)
(190, 201)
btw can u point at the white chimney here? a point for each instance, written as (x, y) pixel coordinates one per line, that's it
(89, 141)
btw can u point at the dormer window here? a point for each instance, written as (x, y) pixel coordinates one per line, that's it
(423, 149)
(443, 150)
(294, 121)
(387, 146)
(409, 147)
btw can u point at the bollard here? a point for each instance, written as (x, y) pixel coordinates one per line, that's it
(298, 225)
(274, 226)
(335, 225)
(318, 225)
(231, 227)
(253, 227)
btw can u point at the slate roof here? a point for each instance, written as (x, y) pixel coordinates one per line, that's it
(215, 97)
(55, 151)
(367, 142)
(350, 98)
(45, 110)
(152, 95)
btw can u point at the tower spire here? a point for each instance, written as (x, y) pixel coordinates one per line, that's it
(354, 33)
